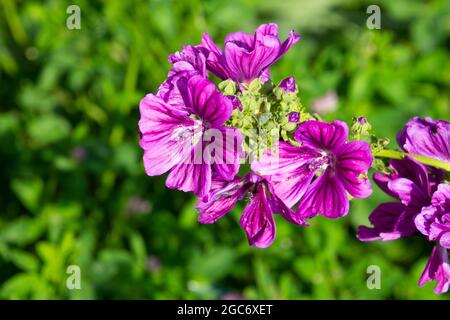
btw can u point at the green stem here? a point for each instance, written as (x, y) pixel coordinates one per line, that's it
(392, 154)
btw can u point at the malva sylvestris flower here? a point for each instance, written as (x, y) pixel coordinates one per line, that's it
(423, 194)
(174, 138)
(320, 171)
(426, 137)
(246, 57)
(409, 183)
(196, 131)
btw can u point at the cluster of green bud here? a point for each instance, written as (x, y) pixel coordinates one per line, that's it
(361, 129)
(267, 112)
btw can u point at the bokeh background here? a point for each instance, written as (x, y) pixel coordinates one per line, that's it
(72, 185)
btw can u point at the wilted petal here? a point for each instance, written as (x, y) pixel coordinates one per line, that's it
(257, 220)
(434, 220)
(442, 197)
(325, 196)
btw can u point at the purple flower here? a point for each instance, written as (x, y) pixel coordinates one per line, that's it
(173, 138)
(434, 220)
(410, 184)
(437, 269)
(321, 171)
(190, 57)
(257, 217)
(362, 120)
(294, 117)
(247, 57)
(288, 85)
(187, 63)
(426, 137)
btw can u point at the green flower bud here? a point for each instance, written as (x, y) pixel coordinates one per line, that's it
(360, 129)
(227, 87)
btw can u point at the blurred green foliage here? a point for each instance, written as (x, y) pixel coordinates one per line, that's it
(73, 189)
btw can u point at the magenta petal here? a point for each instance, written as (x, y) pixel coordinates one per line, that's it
(413, 170)
(192, 56)
(223, 199)
(227, 162)
(279, 206)
(202, 99)
(267, 29)
(426, 137)
(191, 175)
(246, 66)
(288, 43)
(444, 240)
(437, 269)
(215, 61)
(382, 180)
(166, 135)
(265, 75)
(257, 220)
(322, 135)
(325, 196)
(408, 193)
(290, 189)
(288, 85)
(441, 197)
(241, 39)
(169, 91)
(354, 159)
(390, 221)
(424, 220)
(284, 160)
(288, 168)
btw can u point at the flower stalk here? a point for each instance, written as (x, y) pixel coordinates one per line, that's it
(393, 154)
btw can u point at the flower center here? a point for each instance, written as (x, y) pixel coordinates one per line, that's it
(183, 133)
(321, 163)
